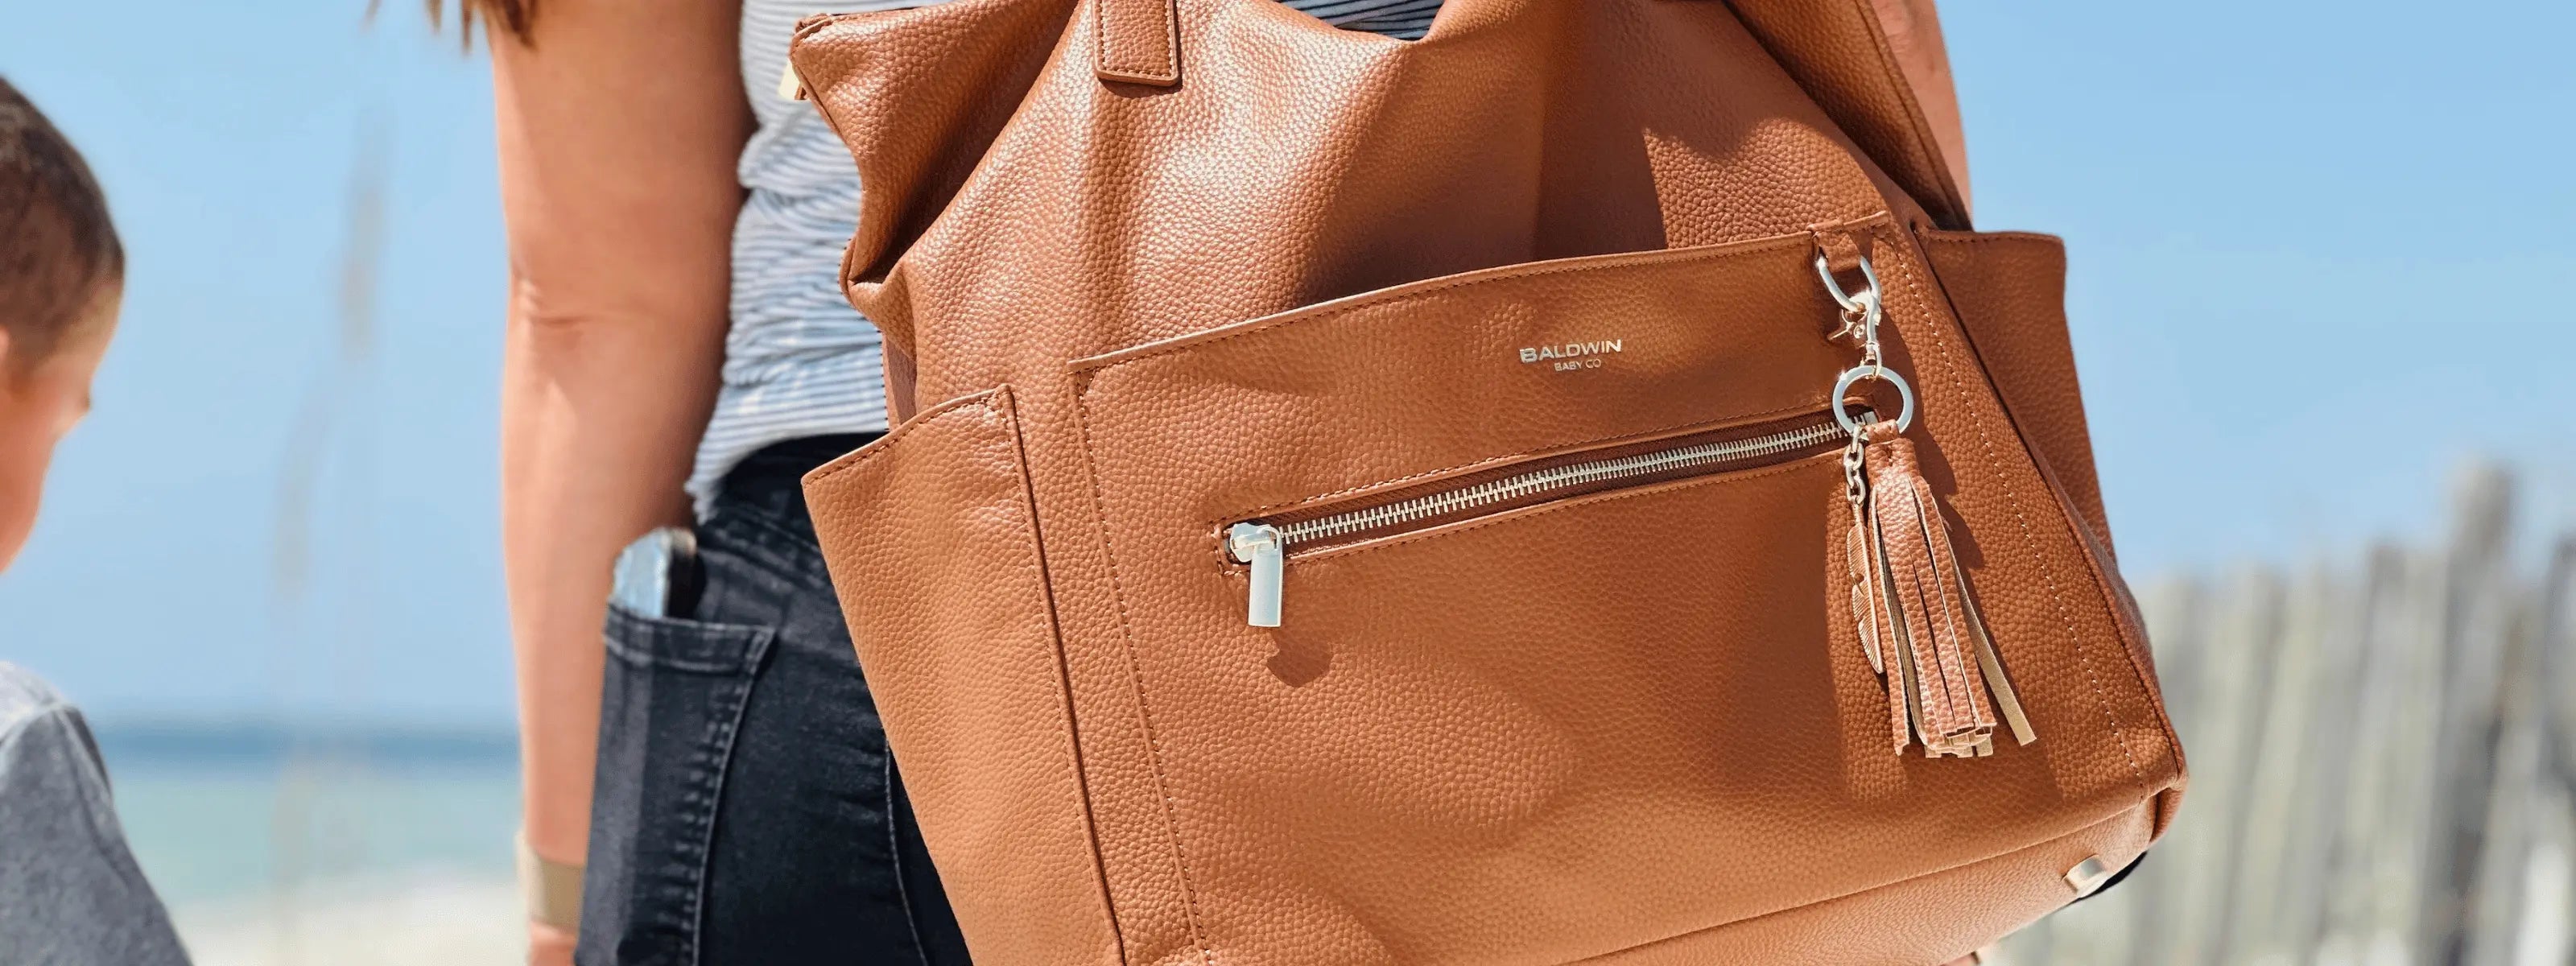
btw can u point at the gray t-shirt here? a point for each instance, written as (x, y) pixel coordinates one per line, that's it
(70, 893)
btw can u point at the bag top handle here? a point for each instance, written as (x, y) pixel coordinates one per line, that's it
(1137, 41)
(1836, 49)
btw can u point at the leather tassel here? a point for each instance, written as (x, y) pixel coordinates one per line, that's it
(1946, 682)
(1870, 618)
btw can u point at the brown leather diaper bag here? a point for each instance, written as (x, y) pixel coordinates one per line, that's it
(1566, 489)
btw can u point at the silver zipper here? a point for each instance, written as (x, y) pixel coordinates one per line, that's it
(1265, 546)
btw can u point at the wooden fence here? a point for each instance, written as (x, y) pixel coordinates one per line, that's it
(2383, 757)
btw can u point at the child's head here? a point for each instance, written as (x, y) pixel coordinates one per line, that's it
(62, 272)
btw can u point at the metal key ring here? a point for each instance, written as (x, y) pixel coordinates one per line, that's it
(1825, 270)
(1852, 377)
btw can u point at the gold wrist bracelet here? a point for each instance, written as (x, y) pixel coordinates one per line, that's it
(552, 889)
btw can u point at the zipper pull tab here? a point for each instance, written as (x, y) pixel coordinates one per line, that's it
(1262, 546)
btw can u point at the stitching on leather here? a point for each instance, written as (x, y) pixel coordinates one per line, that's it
(1024, 502)
(989, 404)
(1085, 375)
(1100, 34)
(1169, 36)
(1856, 893)
(1949, 369)
(1497, 461)
(1544, 509)
(1930, 237)
(1165, 71)
(1725, 251)
(1924, 149)
(1985, 442)
(883, 443)
(1136, 673)
(1947, 237)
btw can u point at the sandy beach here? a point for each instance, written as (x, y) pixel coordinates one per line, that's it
(429, 921)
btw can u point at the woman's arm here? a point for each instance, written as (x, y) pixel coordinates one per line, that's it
(619, 124)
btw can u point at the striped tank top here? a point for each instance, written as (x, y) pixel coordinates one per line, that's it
(798, 360)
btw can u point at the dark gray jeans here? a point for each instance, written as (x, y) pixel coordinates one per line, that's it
(746, 809)
(70, 893)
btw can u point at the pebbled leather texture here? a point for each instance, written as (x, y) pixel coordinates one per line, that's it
(942, 505)
(2010, 290)
(1839, 50)
(1627, 725)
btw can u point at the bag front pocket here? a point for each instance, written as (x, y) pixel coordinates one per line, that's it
(1548, 550)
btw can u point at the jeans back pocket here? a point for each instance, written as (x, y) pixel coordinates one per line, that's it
(670, 705)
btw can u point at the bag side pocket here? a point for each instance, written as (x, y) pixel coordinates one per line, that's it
(931, 538)
(2009, 290)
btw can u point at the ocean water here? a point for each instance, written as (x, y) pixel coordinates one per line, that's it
(278, 846)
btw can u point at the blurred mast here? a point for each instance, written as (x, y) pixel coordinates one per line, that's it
(333, 440)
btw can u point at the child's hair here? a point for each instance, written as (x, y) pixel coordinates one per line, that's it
(58, 251)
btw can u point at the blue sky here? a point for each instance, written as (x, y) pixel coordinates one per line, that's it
(2316, 252)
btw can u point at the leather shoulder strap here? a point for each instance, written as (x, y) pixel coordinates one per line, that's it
(1838, 50)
